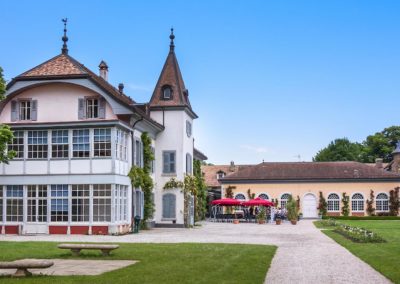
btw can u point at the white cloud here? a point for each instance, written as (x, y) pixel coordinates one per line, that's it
(256, 149)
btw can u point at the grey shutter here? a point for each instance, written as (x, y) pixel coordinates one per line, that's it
(81, 109)
(34, 110)
(169, 201)
(141, 155)
(102, 108)
(166, 162)
(14, 111)
(172, 162)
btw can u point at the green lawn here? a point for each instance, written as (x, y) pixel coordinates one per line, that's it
(384, 257)
(158, 263)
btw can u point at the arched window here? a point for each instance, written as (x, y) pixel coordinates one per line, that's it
(357, 202)
(167, 93)
(284, 199)
(263, 196)
(240, 196)
(169, 206)
(333, 202)
(382, 202)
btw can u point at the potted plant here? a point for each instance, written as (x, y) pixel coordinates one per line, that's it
(300, 216)
(292, 212)
(235, 219)
(278, 219)
(262, 215)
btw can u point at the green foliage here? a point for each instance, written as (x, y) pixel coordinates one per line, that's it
(370, 204)
(2, 85)
(262, 213)
(322, 204)
(201, 197)
(292, 209)
(158, 263)
(345, 207)
(229, 191)
(6, 136)
(141, 178)
(394, 202)
(250, 195)
(362, 217)
(381, 145)
(378, 145)
(358, 235)
(339, 150)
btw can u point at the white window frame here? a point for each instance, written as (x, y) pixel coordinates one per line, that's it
(102, 194)
(14, 201)
(59, 198)
(79, 137)
(263, 193)
(59, 139)
(382, 204)
(80, 199)
(170, 163)
(357, 204)
(37, 204)
(333, 202)
(92, 108)
(238, 195)
(16, 145)
(283, 201)
(25, 110)
(102, 143)
(40, 141)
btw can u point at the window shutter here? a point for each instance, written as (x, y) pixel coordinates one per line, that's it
(172, 162)
(141, 155)
(14, 111)
(34, 110)
(102, 108)
(166, 162)
(81, 109)
(169, 206)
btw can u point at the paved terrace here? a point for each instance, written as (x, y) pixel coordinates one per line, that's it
(304, 255)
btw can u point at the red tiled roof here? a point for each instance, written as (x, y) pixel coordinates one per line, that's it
(310, 171)
(210, 173)
(171, 76)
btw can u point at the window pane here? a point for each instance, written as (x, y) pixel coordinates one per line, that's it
(80, 143)
(37, 144)
(102, 142)
(59, 141)
(17, 144)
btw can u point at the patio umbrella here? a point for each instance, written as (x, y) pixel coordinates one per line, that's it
(226, 202)
(258, 202)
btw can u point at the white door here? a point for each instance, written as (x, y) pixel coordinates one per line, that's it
(310, 206)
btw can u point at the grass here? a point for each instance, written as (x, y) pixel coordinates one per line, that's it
(384, 257)
(158, 263)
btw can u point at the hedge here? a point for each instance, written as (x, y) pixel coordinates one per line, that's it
(362, 217)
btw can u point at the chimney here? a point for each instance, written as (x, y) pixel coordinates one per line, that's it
(232, 166)
(103, 70)
(121, 88)
(379, 163)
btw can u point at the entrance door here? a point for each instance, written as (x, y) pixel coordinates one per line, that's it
(310, 206)
(37, 210)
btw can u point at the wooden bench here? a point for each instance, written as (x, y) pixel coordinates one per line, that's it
(76, 248)
(23, 265)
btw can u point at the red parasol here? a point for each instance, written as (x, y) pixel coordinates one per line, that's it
(258, 202)
(226, 202)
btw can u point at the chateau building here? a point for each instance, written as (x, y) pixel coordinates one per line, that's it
(76, 137)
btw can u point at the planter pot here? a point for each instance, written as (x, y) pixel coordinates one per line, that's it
(278, 221)
(294, 222)
(235, 221)
(261, 221)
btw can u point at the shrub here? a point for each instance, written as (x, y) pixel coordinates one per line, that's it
(345, 207)
(292, 211)
(370, 204)
(394, 202)
(383, 217)
(359, 235)
(322, 204)
(329, 223)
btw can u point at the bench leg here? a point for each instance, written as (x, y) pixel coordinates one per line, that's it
(22, 272)
(105, 252)
(76, 252)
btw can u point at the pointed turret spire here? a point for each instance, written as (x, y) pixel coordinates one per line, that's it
(64, 49)
(172, 37)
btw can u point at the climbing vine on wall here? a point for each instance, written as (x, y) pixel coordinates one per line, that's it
(322, 204)
(370, 204)
(394, 202)
(250, 195)
(141, 178)
(345, 207)
(201, 197)
(229, 191)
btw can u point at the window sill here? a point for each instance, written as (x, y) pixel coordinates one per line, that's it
(169, 175)
(37, 159)
(168, 219)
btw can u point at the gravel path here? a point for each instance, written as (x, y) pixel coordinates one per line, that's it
(304, 255)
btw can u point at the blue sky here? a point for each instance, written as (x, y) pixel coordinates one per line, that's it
(269, 79)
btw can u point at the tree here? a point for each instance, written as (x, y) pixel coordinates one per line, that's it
(2, 85)
(339, 150)
(380, 145)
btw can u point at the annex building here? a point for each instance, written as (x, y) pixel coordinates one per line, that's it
(76, 139)
(305, 180)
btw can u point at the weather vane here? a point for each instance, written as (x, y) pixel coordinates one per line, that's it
(64, 49)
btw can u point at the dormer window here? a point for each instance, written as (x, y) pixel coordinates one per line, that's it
(92, 108)
(220, 175)
(24, 110)
(167, 93)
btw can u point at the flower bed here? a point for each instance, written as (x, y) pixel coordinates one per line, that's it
(359, 235)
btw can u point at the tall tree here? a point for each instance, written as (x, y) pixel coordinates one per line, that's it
(340, 150)
(6, 135)
(381, 145)
(2, 85)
